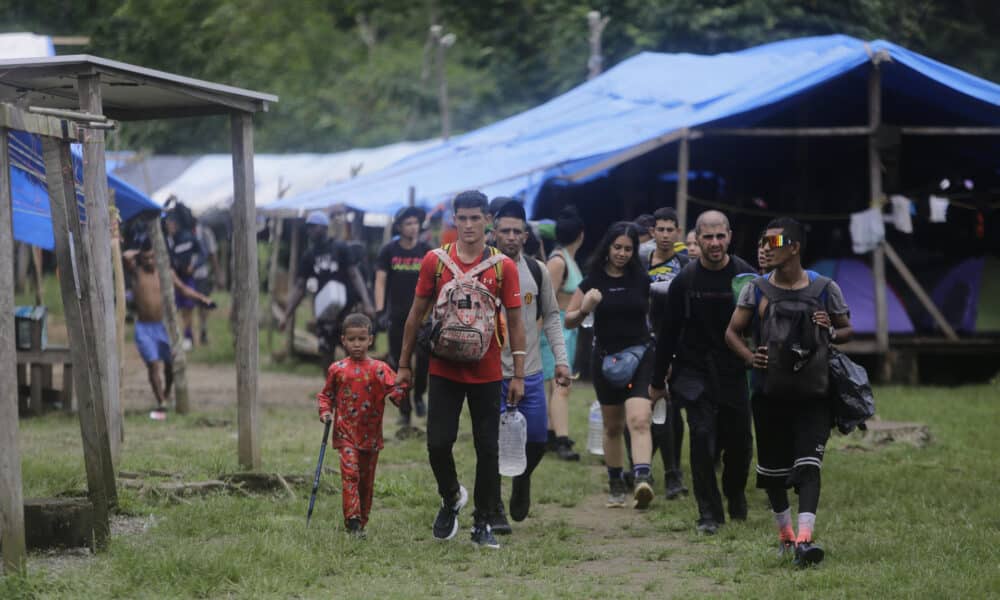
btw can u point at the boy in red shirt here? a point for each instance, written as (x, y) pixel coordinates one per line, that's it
(354, 398)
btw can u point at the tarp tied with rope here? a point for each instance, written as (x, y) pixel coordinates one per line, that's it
(32, 218)
(647, 101)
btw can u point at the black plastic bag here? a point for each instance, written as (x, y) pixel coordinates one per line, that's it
(853, 402)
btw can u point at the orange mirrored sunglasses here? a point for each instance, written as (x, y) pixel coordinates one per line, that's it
(775, 241)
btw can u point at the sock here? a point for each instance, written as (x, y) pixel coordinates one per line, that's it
(614, 473)
(187, 333)
(807, 521)
(783, 520)
(641, 470)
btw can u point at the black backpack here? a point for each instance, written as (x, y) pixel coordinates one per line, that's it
(798, 350)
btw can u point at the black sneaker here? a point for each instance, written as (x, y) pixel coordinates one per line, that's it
(807, 554)
(675, 487)
(786, 548)
(420, 407)
(483, 537)
(616, 493)
(708, 526)
(520, 498)
(403, 420)
(643, 494)
(355, 528)
(499, 523)
(738, 508)
(564, 450)
(446, 522)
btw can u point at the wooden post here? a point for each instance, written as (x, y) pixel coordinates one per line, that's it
(411, 197)
(73, 258)
(277, 229)
(36, 265)
(596, 24)
(178, 360)
(293, 265)
(98, 232)
(119, 273)
(11, 499)
(683, 157)
(245, 288)
(875, 193)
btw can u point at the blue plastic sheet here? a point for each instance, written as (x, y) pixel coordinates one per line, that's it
(651, 95)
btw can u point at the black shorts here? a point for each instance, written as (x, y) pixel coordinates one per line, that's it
(608, 394)
(791, 439)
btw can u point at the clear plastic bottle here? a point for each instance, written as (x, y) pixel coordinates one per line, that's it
(513, 437)
(660, 412)
(588, 321)
(595, 431)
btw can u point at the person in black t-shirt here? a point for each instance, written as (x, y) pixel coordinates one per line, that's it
(616, 291)
(707, 379)
(396, 271)
(338, 281)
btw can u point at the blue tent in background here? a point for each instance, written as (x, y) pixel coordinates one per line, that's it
(646, 102)
(32, 218)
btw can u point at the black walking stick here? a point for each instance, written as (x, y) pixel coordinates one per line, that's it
(319, 470)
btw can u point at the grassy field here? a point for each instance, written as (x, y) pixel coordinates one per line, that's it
(896, 522)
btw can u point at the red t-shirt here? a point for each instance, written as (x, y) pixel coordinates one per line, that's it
(509, 293)
(355, 393)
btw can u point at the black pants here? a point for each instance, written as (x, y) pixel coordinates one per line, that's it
(422, 360)
(718, 415)
(444, 408)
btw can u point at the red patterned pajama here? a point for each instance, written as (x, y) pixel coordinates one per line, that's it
(357, 474)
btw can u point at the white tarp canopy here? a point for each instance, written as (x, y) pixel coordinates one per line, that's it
(208, 182)
(25, 45)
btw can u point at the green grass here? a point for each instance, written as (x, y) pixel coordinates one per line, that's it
(897, 522)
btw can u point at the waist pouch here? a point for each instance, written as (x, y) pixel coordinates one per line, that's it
(619, 368)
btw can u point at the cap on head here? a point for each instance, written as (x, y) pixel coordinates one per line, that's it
(318, 217)
(406, 212)
(507, 207)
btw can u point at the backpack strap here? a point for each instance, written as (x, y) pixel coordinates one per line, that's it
(535, 266)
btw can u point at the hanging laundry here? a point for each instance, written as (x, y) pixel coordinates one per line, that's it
(901, 214)
(867, 230)
(939, 209)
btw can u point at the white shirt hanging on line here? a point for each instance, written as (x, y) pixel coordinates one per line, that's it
(867, 230)
(900, 218)
(939, 209)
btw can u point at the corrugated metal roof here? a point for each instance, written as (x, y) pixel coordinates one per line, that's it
(129, 92)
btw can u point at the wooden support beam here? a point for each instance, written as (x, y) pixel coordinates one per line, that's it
(637, 150)
(919, 292)
(787, 132)
(73, 260)
(98, 232)
(245, 288)
(681, 201)
(120, 301)
(11, 500)
(277, 229)
(956, 131)
(13, 117)
(178, 360)
(293, 265)
(875, 198)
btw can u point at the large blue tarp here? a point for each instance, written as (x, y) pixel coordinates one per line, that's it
(32, 217)
(650, 96)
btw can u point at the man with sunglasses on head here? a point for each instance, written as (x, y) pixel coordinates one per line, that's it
(792, 419)
(707, 380)
(541, 317)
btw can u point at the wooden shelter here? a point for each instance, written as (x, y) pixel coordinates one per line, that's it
(74, 98)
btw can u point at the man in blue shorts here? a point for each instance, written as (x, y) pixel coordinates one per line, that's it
(538, 303)
(151, 336)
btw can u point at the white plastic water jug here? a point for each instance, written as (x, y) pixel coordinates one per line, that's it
(513, 437)
(595, 432)
(660, 412)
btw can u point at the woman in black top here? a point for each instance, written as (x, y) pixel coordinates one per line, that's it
(616, 292)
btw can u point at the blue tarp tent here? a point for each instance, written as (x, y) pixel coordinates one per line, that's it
(32, 218)
(645, 102)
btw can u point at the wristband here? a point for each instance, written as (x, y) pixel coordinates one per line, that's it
(518, 352)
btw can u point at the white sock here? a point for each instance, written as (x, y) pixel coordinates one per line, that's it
(807, 522)
(783, 519)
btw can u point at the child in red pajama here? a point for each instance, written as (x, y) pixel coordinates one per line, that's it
(354, 398)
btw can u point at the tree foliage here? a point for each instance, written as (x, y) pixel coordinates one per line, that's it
(359, 72)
